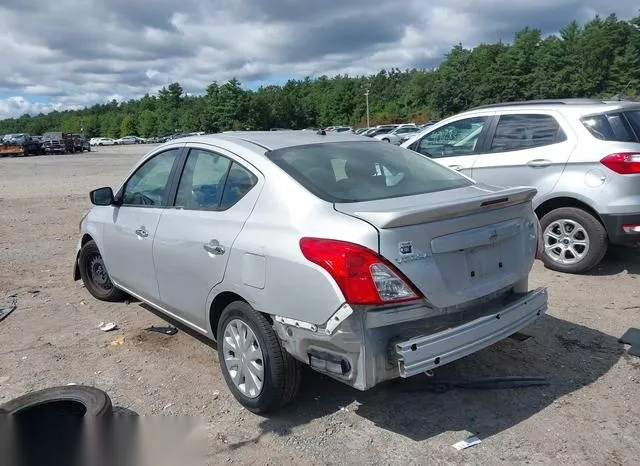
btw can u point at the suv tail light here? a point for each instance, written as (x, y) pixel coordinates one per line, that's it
(624, 163)
(363, 276)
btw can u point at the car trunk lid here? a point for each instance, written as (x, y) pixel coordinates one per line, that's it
(457, 245)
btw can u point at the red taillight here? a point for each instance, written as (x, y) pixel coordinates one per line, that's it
(363, 276)
(624, 163)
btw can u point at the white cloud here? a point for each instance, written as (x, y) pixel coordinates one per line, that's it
(130, 47)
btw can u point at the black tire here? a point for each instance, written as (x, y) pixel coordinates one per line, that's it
(54, 420)
(95, 276)
(100, 144)
(94, 401)
(596, 233)
(281, 371)
(386, 140)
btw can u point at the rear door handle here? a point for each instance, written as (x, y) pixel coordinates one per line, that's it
(539, 163)
(456, 167)
(142, 232)
(214, 247)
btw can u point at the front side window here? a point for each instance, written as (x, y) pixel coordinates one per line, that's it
(148, 185)
(526, 131)
(363, 171)
(457, 138)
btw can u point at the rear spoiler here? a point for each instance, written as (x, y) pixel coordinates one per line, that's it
(455, 207)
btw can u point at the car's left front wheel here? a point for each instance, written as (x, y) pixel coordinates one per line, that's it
(95, 276)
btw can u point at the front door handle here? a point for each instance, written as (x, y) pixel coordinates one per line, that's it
(214, 247)
(456, 167)
(539, 163)
(142, 232)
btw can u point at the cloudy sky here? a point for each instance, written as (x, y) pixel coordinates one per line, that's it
(71, 53)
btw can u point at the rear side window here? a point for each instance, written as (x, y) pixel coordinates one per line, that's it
(609, 127)
(634, 121)
(364, 171)
(518, 132)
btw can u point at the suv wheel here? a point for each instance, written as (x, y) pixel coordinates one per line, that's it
(261, 375)
(574, 240)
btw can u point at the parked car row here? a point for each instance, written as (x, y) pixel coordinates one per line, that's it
(23, 144)
(126, 140)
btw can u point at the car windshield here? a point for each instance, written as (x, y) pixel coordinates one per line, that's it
(361, 171)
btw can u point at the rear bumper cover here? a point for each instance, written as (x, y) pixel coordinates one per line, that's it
(420, 354)
(613, 224)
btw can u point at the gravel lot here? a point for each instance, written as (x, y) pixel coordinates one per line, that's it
(589, 414)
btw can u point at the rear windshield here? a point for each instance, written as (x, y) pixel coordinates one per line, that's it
(364, 171)
(612, 126)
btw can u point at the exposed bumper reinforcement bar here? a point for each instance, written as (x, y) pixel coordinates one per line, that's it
(427, 352)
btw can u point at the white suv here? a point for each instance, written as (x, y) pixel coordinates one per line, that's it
(582, 155)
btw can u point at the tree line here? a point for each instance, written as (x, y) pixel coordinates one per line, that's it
(598, 59)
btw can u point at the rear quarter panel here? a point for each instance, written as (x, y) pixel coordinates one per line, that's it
(586, 179)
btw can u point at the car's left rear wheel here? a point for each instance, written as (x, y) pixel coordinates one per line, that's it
(95, 276)
(260, 373)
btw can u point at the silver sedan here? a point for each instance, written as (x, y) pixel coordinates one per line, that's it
(364, 260)
(399, 134)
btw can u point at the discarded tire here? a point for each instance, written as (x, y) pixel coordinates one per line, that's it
(52, 420)
(69, 400)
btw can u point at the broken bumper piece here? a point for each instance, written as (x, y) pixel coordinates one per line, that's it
(419, 354)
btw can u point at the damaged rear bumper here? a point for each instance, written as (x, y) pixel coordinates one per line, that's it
(368, 347)
(418, 355)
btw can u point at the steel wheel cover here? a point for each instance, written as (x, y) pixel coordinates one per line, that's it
(98, 273)
(566, 241)
(243, 358)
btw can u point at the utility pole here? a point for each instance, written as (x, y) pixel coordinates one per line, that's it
(366, 96)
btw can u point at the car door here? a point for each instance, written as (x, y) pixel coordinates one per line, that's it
(455, 144)
(525, 149)
(129, 232)
(216, 193)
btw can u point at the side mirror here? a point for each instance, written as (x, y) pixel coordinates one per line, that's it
(102, 196)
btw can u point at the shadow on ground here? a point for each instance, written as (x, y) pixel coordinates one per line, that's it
(570, 356)
(619, 259)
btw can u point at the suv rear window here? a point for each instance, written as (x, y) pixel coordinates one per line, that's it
(364, 171)
(634, 120)
(610, 127)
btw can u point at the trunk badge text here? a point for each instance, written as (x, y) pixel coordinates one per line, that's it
(407, 255)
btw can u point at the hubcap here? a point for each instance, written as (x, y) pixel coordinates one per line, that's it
(566, 241)
(243, 358)
(98, 273)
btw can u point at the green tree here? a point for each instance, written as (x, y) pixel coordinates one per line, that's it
(128, 126)
(147, 124)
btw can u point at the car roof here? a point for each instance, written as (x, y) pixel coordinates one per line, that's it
(571, 106)
(272, 140)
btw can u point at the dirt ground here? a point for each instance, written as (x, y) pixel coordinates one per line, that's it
(589, 414)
